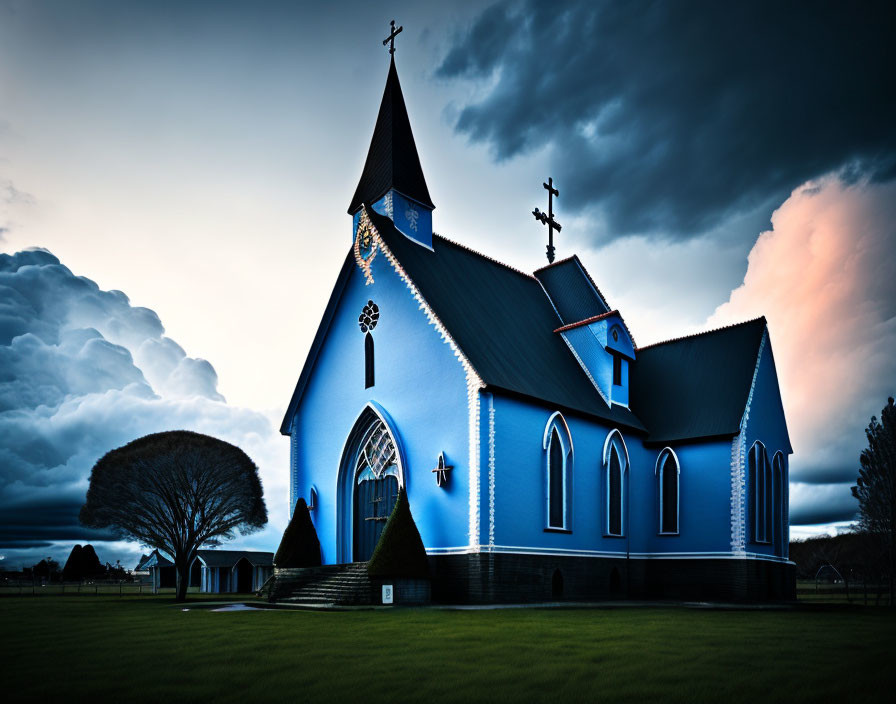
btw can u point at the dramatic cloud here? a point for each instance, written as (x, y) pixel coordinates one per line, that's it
(824, 278)
(670, 118)
(83, 371)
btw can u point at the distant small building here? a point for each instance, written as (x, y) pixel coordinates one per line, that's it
(160, 569)
(141, 571)
(240, 571)
(213, 571)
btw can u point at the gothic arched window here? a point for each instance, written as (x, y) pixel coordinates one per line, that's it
(779, 513)
(668, 472)
(759, 493)
(368, 361)
(615, 466)
(558, 445)
(769, 497)
(367, 321)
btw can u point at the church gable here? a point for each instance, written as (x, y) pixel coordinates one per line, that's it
(379, 348)
(363, 304)
(764, 416)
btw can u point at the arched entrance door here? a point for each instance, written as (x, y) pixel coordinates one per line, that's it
(375, 488)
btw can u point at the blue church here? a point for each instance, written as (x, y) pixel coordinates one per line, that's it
(544, 454)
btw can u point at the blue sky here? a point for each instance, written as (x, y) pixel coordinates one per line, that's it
(199, 157)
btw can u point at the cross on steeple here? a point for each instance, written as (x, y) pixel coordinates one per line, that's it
(390, 40)
(548, 217)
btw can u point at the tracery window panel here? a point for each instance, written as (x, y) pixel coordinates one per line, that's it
(377, 455)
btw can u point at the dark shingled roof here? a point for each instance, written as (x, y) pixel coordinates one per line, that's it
(502, 321)
(685, 389)
(696, 386)
(571, 290)
(154, 559)
(228, 558)
(392, 160)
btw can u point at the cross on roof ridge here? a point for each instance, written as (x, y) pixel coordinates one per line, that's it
(390, 40)
(548, 217)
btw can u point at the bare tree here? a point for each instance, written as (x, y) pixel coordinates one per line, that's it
(876, 489)
(176, 491)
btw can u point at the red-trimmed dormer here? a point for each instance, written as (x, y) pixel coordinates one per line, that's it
(604, 347)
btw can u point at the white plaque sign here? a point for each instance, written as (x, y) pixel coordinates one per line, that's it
(387, 593)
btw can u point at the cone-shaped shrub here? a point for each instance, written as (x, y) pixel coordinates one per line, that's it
(90, 563)
(299, 546)
(72, 570)
(400, 551)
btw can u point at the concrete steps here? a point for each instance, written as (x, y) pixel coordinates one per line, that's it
(336, 585)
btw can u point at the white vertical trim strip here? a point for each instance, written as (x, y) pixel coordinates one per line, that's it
(491, 470)
(738, 457)
(474, 382)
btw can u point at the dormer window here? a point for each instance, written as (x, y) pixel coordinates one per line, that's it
(603, 347)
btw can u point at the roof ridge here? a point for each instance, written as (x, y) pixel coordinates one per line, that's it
(556, 263)
(704, 332)
(469, 249)
(588, 321)
(575, 258)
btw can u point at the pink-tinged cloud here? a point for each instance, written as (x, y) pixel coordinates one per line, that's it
(825, 278)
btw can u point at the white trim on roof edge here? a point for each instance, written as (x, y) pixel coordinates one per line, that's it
(585, 369)
(474, 381)
(491, 469)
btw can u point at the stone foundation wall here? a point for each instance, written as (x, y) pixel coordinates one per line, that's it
(506, 578)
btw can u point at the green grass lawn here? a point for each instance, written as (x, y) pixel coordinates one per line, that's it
(148, 649)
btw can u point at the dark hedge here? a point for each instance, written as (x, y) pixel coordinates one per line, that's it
(300, 546)
(82, 563)
(72, 570)
(400, 551)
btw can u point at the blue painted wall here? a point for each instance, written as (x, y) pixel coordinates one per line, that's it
(421, 386)
(419, 383)
(520, 486)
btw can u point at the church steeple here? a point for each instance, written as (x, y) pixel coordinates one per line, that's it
(392, 161)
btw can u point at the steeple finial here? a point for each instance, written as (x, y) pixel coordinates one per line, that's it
(548, 217)
(390, 40)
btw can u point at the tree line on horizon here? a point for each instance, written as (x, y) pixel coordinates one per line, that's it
(82, 564)
(867, 554)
